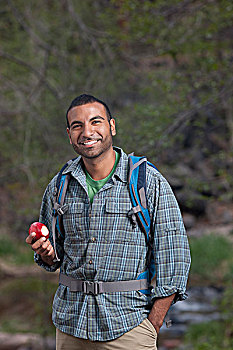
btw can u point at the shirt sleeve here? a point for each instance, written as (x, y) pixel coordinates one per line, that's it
(171, 247)
(46, 217)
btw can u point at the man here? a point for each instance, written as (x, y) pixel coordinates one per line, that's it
(102, 245)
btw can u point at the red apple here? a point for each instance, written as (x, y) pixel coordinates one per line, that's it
(40, 230)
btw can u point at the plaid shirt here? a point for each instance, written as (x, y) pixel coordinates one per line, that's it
(101, 244)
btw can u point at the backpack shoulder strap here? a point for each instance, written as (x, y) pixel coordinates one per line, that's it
(140, 212)
(137, 190)
(58, 205)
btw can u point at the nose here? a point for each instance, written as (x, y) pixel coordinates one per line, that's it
(87, 130)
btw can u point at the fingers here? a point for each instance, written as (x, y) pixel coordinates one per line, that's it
(46, 252)
(43, 247)
(31, 238)
(49, 252)
(36, 245)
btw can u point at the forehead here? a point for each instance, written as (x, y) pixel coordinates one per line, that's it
(87, 111)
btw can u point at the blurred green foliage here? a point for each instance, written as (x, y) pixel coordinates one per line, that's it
(212, 264)
(15, 251)
(162, 66)
(26, 306)
(212, 259)
(214, 335)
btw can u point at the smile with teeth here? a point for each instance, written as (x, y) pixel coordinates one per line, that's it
(89, 142)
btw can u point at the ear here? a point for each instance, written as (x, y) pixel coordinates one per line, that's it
(112, 126)
(68, 132)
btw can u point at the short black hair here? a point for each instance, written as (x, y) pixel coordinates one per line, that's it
(83, 100)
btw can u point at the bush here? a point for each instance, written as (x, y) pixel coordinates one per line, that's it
(211, 258)
(15, 251)
(214, 335)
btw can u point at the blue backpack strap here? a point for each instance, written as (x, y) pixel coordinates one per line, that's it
(58, 205)
(153, 166)
(137, 189)
(140, 213)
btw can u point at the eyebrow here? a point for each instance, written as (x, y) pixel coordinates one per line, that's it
(93, 118)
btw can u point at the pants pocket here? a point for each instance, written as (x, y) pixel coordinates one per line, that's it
(149, 326)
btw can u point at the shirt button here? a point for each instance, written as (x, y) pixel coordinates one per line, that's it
(90, 262)
(93, 239)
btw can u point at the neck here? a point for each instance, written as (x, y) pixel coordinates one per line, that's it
(100, 167)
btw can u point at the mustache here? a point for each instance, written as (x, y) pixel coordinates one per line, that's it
(84, 139)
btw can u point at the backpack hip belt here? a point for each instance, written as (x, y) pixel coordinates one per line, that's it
(99, 287)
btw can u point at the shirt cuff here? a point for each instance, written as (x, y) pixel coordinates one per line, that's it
(162, 292)
(41, 263)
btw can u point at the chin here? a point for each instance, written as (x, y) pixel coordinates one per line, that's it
(91, 156)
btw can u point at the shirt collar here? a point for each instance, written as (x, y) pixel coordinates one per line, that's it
(121, 172)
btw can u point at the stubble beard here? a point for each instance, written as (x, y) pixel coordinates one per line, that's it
(106, 145)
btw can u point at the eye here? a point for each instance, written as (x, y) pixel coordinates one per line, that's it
(76, 126)
(96, 122)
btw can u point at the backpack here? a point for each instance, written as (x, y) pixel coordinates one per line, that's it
(138, 214)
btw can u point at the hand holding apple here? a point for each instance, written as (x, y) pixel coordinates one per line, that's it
(39, 242)
(39, 229)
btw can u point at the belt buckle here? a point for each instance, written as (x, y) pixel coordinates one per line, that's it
(73, 286)
(91, 287)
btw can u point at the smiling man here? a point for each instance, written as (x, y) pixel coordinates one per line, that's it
(102, 248)
(90, 131)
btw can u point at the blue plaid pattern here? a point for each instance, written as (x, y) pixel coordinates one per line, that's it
(101, 244)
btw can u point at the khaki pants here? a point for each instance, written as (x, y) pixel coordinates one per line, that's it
(142, 337)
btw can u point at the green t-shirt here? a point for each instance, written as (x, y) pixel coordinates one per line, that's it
(94, 186)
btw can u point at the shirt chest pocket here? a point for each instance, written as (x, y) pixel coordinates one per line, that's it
(118, 225)
(74, 221)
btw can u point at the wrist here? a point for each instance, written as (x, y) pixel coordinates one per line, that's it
(159, 310)
(49, 260)
(157, 323)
